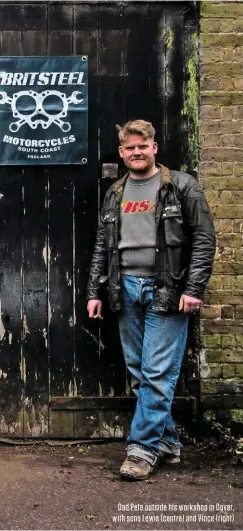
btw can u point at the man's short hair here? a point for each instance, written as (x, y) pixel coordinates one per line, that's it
(135, 127)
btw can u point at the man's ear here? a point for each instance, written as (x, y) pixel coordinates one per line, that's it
(155, 147)
(120, 151)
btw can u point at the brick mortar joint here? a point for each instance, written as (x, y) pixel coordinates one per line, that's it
(208, 33)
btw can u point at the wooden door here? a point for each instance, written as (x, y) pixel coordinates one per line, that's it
(61, 375)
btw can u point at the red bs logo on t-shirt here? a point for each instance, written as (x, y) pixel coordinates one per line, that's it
(137, 207)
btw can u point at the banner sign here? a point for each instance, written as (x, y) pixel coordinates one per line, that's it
(43, 110)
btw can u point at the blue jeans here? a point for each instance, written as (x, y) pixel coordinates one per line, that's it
(153, 346)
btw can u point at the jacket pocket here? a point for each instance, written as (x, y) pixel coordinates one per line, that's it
(173, 231)
(174, 239)
(109, 219)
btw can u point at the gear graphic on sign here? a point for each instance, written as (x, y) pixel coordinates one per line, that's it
(39, 99)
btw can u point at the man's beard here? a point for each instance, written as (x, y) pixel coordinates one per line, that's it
(140, 171)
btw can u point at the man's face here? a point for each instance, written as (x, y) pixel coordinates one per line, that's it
(138, 153)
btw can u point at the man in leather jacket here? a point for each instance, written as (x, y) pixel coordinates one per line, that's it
(156, 244)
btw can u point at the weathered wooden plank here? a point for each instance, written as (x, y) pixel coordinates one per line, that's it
(107, 403)
(173, 42)
(34, 42)
(10, 17)
(112, 367)
(190, 107)
(61, 424)
(137, 36)
(157, 70)
(34, 17)
(85, 35)
(110, 71)
(112, 376)
(92, 403)
(12, 381)
(86, 366)
(86, 424)
(60, 17)
(11, 29)
(12, 373)
(35, 253)
(60, 29)
(11, 43)
(61, 282)
(61, 315)
(34, 38)
(35, 349)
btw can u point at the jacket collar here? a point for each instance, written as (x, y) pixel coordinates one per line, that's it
(165, 179)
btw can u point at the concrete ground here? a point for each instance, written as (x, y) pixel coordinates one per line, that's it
(78, 487)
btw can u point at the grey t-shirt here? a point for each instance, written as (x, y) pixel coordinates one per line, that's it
(137, 226)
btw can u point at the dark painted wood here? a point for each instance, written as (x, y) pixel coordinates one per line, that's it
(86, 367)
(33, 42)
(35, 318)
(111, 83)
(111, 112)
(99, 403)
(34, 17)
(86, 424)
(174, 97)
(10, 16)
(60, 17)
(60, 284)
(137, 38)
(113, 403)
(12, 374)
(12, 386)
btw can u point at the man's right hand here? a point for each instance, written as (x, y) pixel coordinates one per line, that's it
(94, 308)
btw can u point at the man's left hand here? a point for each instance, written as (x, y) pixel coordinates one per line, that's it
(189, 304)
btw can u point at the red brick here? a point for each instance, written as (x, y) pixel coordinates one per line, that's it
(227, 113)
(222, 10)
(238, 170)
(233, 126)
(210, 83)
(238, 225)
(208, 312)
(210, 140)
(220, 25)
(228, 140)
(211, 126)
(227, 312)
(210, 112)
(227, 168)
(238, 114)
(210, 169)
(226, 83)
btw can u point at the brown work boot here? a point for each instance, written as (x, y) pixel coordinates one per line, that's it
(168, 459)
(135, 468)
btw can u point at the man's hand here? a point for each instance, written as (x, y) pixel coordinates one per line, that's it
(189, 304)
(94, 308)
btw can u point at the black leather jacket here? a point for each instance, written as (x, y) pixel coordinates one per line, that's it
(185, 243)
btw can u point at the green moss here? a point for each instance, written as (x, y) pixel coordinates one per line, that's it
(191, 105)
(237, 415)
(209, 415)
(169, 38)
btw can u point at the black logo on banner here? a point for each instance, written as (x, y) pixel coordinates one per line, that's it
(43, 126)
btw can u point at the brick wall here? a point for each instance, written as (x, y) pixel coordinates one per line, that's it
(221, 175)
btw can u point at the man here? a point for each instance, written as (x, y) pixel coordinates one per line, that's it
(156, 242)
